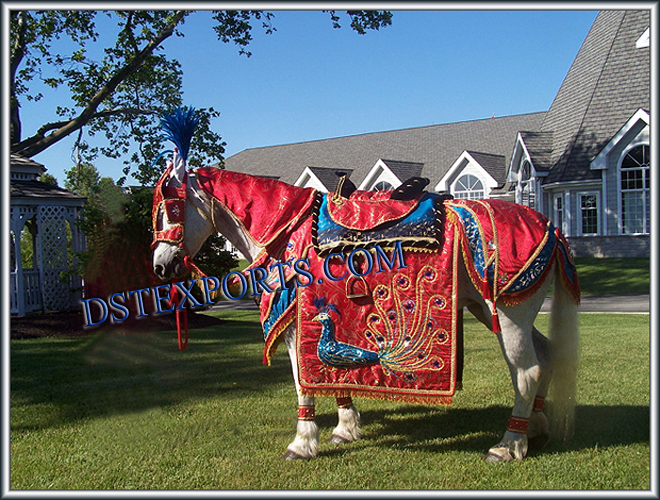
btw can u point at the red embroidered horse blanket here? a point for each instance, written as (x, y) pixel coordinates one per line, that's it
(380, 321)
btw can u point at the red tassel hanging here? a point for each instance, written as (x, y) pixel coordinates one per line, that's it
(496, 321)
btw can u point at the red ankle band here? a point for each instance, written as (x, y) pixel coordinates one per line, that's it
(518, 425)
(539, 403)
(306, 412)
(344, 402)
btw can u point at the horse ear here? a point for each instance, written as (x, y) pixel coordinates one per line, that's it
(178, 169)
(179, 127)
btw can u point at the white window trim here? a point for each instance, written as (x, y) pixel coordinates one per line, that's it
(619, 194)
(644, 40)
(379, 172)
(600, 162)
(555, 196)
(308, 179)
(579, 212)
(462, 162)
(569, 214)
(535, 181)
(484, 186)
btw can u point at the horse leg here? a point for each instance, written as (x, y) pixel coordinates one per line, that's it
(538, 432)
(306, 443)
(518, 349)
(519, 345)
(348, 428)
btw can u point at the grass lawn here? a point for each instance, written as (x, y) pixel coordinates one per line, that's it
(613, 276)
(111, 411)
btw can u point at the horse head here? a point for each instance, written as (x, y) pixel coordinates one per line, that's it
(180, 214)
(181, 221)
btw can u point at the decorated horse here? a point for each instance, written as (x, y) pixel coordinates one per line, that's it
(366, 289)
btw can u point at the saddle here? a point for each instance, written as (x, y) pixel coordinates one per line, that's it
(350, 218)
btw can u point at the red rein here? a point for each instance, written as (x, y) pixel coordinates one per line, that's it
(174, 295)
(173, 201)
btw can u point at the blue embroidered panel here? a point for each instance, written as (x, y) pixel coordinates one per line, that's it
(419, 227)
(282, 300)
(538, 265)
(475, 242)
(471, 229)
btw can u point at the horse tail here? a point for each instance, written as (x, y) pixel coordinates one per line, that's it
(564, 343)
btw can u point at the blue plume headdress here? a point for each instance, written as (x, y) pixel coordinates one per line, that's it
(179, 127)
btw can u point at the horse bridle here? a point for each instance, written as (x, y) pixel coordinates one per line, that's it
(172, 199)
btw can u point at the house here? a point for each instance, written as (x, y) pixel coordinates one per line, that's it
(584, 163)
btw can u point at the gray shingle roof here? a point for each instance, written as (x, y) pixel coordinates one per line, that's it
(436, 147)
(606, 84)
(40, 190)
(495, 165)
(23, 161)
(404, 170)
(539, 146)
(328, 176)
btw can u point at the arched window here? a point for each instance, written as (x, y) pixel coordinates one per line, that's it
(383, 186)
(635, 201)
(469, 187)
(527, 186)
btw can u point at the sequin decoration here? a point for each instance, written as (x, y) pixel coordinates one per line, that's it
(404, 327)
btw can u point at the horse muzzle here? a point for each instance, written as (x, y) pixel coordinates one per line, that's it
(168, 268)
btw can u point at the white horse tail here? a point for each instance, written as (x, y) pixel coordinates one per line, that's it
(564, 344)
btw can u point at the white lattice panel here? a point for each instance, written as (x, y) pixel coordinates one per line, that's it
(52, 244)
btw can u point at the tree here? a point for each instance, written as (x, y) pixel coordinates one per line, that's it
(123, 95)
(83, 179)
(48, 179)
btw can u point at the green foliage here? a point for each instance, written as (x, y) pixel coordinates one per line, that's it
(121, 96)
(83, 179)
(27, 248)
(363, 20)
(114, 220)
(48, 179)
(115, 411)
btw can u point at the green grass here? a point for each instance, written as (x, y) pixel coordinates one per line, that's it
(112, 411)
(613, 276)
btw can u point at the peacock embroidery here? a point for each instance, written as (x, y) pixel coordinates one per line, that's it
(403, 330)
(335, 353)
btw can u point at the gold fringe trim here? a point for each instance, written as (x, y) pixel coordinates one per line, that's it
(424, 399)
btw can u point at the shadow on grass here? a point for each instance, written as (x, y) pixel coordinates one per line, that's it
(477, 429)
(58, 381)
(110, 373)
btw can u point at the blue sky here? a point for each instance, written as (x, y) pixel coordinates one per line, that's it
(308, 81)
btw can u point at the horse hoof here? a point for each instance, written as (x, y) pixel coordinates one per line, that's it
(337, 439)
(500, 454)
(538, 442)
(292, 455)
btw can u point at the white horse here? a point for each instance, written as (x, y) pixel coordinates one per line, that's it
(533, 359)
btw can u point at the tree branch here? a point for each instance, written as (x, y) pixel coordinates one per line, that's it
(17, 54)
(37, 144)
(41, 133)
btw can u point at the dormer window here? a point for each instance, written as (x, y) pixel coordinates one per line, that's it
(527, 186)
(468, 187)
(383, 186)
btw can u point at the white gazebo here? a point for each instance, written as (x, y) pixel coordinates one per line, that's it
(44, 240)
